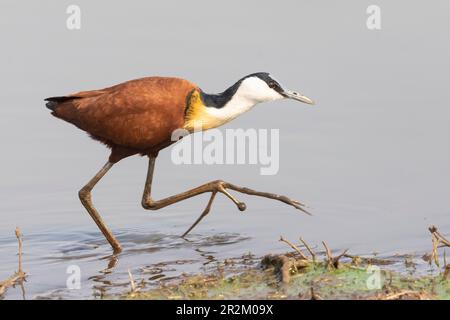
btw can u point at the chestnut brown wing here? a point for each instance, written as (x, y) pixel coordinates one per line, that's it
(137, 114)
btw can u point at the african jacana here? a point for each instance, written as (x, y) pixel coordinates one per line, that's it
(139, 116)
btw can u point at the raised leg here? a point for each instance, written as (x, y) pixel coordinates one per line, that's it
(213, 187)
(86, 200)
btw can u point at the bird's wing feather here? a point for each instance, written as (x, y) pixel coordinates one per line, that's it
(136, 114)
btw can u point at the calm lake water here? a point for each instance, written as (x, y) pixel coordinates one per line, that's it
(371, 159)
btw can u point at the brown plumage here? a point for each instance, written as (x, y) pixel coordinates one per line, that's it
(133, 117)
(139, 117)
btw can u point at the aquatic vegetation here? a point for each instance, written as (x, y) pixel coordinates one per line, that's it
(295, 275)
(316, 281)
(303, 273)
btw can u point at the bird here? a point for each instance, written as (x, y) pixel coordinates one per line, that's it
(138, 117)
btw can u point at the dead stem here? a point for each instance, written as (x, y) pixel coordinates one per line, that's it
(406, 293)
(439, 241)
(132, 282)
(311, 252)
(19, 276)
(19, 239)
(293, 246)
(328, 252)
(443, 241)
(447, 272)
(333, 261)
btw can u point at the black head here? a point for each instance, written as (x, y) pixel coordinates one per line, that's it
(272, 88)
(256, 87)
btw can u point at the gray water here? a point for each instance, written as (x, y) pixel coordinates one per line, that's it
(370, 159)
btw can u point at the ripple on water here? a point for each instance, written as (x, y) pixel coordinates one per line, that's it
(151, 257)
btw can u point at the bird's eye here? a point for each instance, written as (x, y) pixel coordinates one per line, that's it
(272, 85)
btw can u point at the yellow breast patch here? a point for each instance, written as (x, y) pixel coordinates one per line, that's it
(197, 117)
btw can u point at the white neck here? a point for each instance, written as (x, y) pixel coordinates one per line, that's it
(251, 92)
(233, 108)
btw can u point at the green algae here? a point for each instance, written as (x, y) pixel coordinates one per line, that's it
(316, 281)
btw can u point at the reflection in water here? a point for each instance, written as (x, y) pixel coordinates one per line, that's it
(112, 262)
(207, 255)
(152, 274)
(22, 287)
(372, 166)
(151, 258)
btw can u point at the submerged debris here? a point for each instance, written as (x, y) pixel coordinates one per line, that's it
(284, 265)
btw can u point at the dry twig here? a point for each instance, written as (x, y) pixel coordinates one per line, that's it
(447, 272)
(406, 294)
(311, 252)
(439, 241)
(132, 282)
(19, 276)
(293, 246)
(333, 261)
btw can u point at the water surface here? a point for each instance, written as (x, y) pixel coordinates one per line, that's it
(371, 159)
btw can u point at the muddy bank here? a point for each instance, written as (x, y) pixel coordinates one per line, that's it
(313, 282)
(306, 274)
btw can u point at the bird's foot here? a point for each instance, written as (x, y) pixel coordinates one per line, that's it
(296, 204)
(299, 205)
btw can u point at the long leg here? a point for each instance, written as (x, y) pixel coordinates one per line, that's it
(204, 213)
(213, 187)
(86, 200)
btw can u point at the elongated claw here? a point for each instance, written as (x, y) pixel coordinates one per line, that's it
(298, 205)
